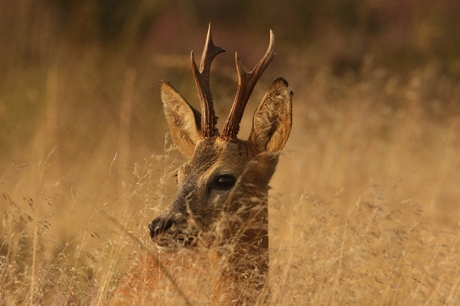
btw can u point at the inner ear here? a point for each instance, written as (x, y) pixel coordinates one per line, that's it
(183, 120)
(272, 120)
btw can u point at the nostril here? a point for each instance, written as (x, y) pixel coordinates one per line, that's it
(159, 226)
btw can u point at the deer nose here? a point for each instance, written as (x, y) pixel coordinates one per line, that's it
(159, 226)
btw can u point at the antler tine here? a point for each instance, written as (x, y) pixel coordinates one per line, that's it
(208, 119)
(246, 83)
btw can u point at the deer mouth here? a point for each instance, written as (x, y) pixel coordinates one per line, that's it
(171, 235)
(169, 243)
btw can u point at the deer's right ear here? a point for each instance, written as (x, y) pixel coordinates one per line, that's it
(183, 120)
(272, 121)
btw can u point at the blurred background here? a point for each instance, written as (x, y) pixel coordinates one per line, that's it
(376, 96)
(82, 133)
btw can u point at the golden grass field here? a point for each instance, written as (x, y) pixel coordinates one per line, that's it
(365, 204)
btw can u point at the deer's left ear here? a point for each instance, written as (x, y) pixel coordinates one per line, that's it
(183, 120)
(272, 120)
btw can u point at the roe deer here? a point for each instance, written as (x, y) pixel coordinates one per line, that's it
(222, 197)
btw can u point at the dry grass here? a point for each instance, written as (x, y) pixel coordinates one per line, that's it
(364, 207)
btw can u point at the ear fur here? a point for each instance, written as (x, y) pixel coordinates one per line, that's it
(272, 120)
(183, 120)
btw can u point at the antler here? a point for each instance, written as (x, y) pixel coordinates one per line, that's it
(246, 83)
(208, 119)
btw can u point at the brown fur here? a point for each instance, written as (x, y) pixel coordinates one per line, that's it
(148, 284)
(219, 217)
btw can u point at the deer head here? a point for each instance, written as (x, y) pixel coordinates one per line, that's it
(225, 178)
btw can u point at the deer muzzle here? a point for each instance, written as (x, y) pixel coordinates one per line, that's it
(160, 225)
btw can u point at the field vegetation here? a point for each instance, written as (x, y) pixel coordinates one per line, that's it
(365, 205)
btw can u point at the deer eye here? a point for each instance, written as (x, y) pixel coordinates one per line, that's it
(225, 181)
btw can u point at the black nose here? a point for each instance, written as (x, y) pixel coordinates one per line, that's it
(159, 226)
